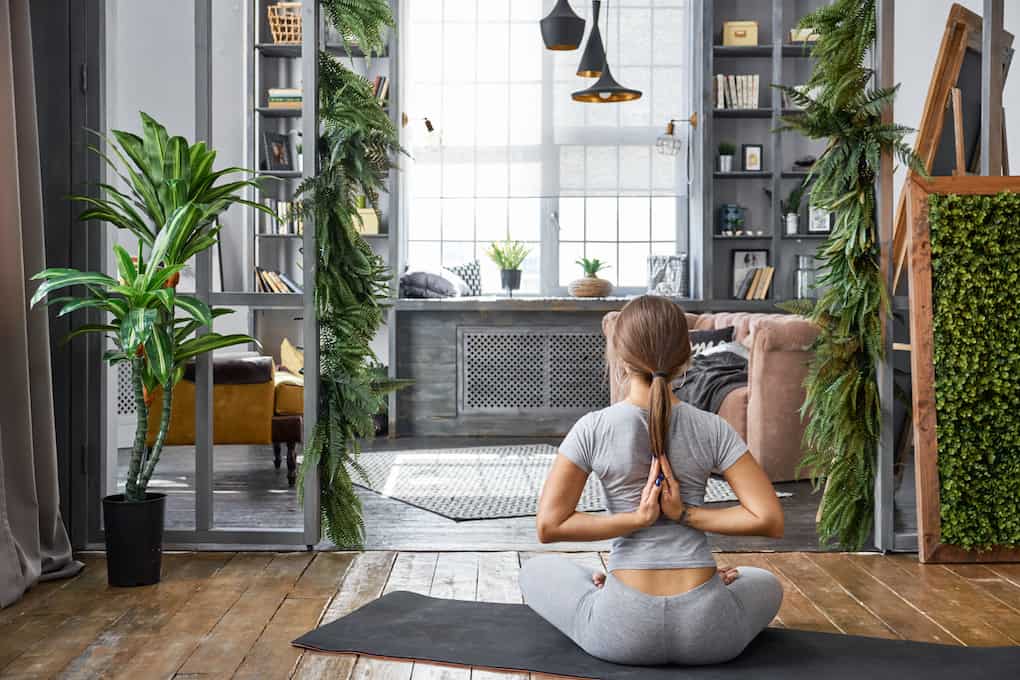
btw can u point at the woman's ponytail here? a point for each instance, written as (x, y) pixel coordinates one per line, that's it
(660, 409)
(651, 341)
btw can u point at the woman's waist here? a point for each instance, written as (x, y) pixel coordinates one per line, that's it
(665, 582)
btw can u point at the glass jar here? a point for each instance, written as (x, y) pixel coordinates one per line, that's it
(804, 278)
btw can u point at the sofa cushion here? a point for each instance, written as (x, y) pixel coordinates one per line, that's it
(237, 370)
(290, 394)
(702, 340)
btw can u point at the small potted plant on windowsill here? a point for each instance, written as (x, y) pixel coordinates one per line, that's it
(726, 151)
(508, 256)
(591, 285)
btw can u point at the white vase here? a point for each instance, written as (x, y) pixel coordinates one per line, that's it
(725, 163)
(792, 224)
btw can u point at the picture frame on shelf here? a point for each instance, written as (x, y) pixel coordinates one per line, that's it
(745, 261)
(276, 154)
(751, 157)
(819, 220)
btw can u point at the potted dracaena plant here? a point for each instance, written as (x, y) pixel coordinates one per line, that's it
(508, 256)
(590, 285)
(726, 151)
(170, 204)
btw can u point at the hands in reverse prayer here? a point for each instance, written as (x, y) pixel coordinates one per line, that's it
(661, 494)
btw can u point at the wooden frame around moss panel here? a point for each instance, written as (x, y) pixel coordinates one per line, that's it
(963, 31)
(929, 522)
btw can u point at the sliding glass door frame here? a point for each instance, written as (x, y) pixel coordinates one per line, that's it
(91, 486)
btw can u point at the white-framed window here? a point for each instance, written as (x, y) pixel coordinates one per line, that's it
(514, 156)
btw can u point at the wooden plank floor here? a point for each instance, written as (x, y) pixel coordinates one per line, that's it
(223, 615)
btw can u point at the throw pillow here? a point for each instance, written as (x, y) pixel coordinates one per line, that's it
(702, 340)
(426, 284)
(472, 275)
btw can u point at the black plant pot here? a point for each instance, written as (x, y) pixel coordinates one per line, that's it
(511, 280)
(134, 539)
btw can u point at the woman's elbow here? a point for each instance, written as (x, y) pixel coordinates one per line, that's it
(774, 525)
(545, 528)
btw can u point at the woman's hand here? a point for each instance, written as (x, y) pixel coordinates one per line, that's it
(649, 510)
(672, 503)
(728, 574)
(599, 579)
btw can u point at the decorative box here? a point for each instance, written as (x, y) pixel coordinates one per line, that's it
(368, 221)
(740, 33)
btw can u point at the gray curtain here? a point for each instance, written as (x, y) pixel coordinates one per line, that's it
(33, 542)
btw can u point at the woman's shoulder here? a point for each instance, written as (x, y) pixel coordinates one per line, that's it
(698, 419)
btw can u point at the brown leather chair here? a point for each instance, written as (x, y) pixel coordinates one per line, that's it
(253, 404)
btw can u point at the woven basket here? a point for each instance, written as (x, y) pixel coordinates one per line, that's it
(285, 22)
(590, 286)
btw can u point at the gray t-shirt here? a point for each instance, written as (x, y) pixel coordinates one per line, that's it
(613, 444)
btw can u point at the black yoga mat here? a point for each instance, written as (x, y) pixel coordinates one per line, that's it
(405, 625)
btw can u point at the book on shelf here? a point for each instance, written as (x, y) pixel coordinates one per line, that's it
(736, 91)
(756, 284)
(284, 97)
(381, 88)
(268, 281)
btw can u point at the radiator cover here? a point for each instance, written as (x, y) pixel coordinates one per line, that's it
(535, 369)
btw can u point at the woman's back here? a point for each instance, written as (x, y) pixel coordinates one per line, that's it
(613, 443)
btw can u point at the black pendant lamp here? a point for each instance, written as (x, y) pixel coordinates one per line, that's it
(605, 90)
(594, 55)
(562, 29)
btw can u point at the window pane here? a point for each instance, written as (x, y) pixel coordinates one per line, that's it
(600, 216)
(424, 224)
(635, 218)
(491, 218)
(458, 252)
(571, 219)
(458, 219)
(664, 218)
(633, 264)
(605, 252)
(423, 255)
(526, 219)
(570, 253)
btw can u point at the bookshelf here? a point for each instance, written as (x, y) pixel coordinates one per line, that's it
(773, 60)
(275, 245)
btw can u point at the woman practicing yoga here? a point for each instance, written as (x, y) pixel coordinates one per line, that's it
(664, 599)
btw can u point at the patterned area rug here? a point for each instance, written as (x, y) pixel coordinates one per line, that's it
(487, 482)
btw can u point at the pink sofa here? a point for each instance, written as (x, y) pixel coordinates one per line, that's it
(766, 413)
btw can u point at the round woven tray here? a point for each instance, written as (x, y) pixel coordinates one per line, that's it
(590, 286)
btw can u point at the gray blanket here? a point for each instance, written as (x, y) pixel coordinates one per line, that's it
(710, 379)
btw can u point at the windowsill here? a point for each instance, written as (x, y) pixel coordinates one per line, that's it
(538, 303)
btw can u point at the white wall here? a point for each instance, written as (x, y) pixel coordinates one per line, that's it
(919, 28)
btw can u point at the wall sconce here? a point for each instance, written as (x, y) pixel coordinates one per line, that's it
(432, 139)
(668, 144)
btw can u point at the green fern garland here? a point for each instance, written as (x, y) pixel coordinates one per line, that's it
(842, 401)
(356, 150)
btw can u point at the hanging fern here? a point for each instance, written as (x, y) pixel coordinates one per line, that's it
(842, 403)
(362, 22)
(356, 149)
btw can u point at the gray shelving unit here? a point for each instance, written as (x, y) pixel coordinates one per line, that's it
(775, 60)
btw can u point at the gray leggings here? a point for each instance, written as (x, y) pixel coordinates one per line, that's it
(709, 624)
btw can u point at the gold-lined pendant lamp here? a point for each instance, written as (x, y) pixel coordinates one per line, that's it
(605, 90)
(594, 56)
(562, 29)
